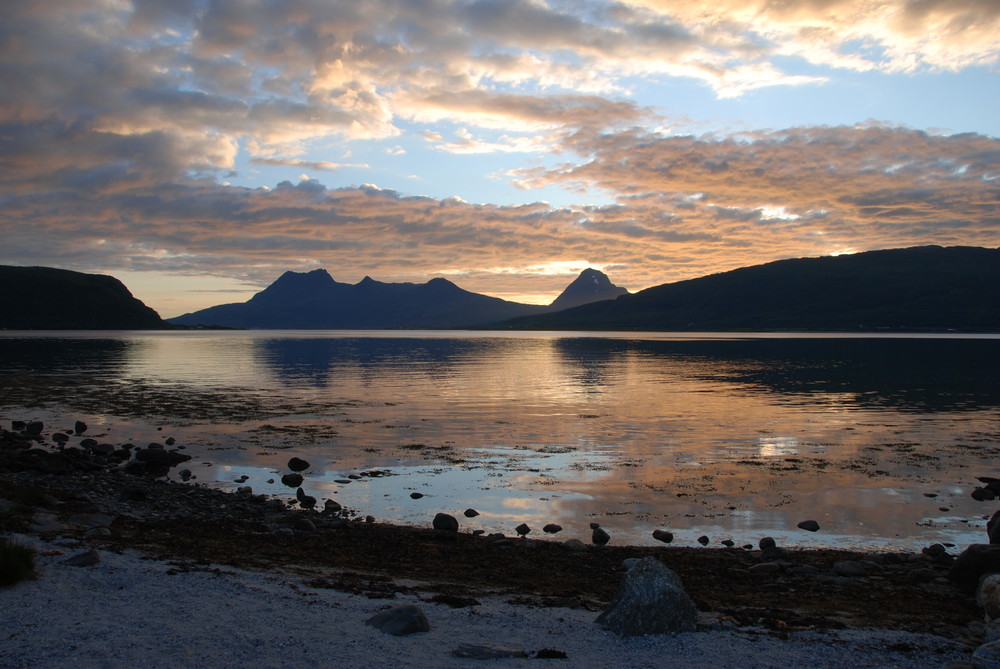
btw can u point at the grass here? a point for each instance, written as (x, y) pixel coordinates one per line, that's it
(17, 562)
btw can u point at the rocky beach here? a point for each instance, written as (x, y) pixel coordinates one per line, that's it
(94, 512)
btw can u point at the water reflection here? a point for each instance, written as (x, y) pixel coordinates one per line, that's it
(730, 436)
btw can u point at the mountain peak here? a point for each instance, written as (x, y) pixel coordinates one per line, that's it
(591, 286)
(295, 285)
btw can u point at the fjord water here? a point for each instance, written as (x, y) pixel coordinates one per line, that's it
(733, 436)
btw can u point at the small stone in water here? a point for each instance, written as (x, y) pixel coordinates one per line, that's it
(808, 525)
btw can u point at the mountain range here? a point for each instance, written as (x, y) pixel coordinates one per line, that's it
(314, 300)
(911, 289)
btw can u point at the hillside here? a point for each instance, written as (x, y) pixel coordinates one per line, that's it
(44, 298)
(920, 288)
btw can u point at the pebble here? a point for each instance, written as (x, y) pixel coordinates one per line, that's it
(663, 535)
(599, 536)
(522, 529)
(85, 559)
(470, 513)
(445, 523)
(416, 495)
(703, 540)
(292, 480)
(808, 525)
(331, 506)
(298, 465)
(552, 528)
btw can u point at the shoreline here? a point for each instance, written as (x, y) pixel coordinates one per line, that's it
(147, 528)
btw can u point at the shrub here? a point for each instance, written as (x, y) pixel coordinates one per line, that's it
(17, 562)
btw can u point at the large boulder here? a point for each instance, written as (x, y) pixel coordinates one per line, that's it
(401, 620)
(974, 562)
(650, 600)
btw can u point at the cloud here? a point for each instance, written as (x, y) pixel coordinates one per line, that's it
(122, 120)
(895, 35)
(320, 165)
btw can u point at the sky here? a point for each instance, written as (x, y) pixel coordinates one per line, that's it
(198, 149)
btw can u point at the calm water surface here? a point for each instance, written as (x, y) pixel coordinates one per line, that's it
(879, 439)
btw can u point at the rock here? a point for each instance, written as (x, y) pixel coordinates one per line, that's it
(331, 506)
(97, 532)
(305, 501)
(766, 542)
(445, 522)
(60, 437)
(416, 495)
(599, 536)
(34, 428)
(938, 554)
(400, 621)
(88, 443)
(45, 523)
(987, 656)
(86, 559)
(650, 600)
(474, 651)
(185, 474)
(663, 535)
(988, 595)
(247, 490)
(369, 519)
(298, 465)
(552, 528)
(89, 520)
(470, 513)
(292, 480)
(574, 545)
(808, 525)
(522, 529)
(993, 528)
(158, 457)
(851, 568)
(594, 526)
(983, 495)
(703, 540)
(972, 563)
(79, 427)
(728, 543)
(304, 525)
(773, 553)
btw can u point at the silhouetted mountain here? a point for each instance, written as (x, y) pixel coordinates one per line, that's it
(590, 286)
(314, 300)
(921, 288)
(44, 298)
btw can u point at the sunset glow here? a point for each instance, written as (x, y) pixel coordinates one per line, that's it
(197, 149)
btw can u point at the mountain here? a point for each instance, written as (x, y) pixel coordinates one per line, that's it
(920, 288)
(590, 286)
(314, 300)
(44, 298)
